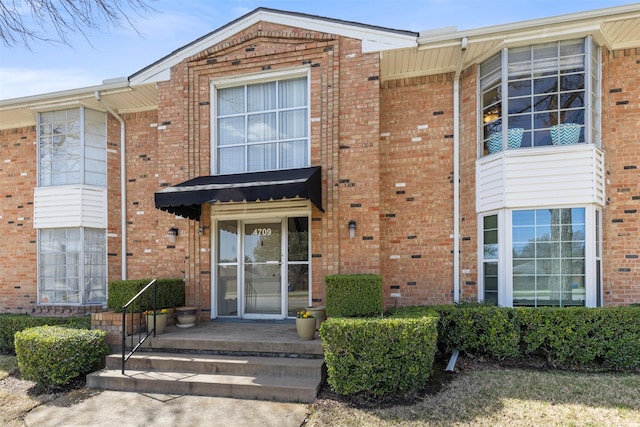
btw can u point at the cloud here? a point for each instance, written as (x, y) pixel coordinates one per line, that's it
(19, 82)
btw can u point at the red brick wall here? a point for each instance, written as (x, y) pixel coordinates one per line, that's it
(621, 142)
(344, 141)
(416, 217)
(18, 246)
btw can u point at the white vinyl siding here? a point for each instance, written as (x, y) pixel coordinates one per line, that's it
(70, 206)
(525, 178)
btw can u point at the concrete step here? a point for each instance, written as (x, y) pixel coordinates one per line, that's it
(283, 388)
(219, 364)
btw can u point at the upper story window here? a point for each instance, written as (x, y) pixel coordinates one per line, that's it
(72, 147)
(539, 95)
(262, 126)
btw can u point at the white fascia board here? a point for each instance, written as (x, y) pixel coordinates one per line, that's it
(576, 23)
(373, 39)
(61, 96)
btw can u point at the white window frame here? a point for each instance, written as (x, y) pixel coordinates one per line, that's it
(82, 120)
(593, 251)
(248, 79)
(84, 281)
(592, 97)
(243, 213)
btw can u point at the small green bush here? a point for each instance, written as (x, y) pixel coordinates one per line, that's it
(12, 323)
(379, 357)
(170, 293)
(353, 295)
(54, 356)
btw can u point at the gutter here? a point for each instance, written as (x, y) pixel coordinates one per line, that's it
(456, 172)
(123, 184)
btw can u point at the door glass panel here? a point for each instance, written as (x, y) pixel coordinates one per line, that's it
(262, 271)
(228, 241)
(298, 288)
(227, 290)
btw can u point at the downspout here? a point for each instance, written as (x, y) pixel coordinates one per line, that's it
(123, 184)
(456, 172)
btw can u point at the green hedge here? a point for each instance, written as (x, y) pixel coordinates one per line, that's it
(569, 337)
(353, 295)
(379, 357)
(580, 337)
(170, 293)
(54, 356)
(12, 323)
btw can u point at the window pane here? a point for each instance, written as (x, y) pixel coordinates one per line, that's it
(293, 93)
(227, 290)
(261, 97)
(546, 87)
(231, 131)
(293, 124)
(227, 241)
(298, 288)
(262, 127)
(293, 154)
(298, 239)
(261, 157)
(230, 101)
(231, 160)
(549, 268)
(282, 114)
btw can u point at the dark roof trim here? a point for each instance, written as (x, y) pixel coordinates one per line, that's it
(186, 199)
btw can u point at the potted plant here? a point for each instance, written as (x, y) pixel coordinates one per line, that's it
(186, 316)
(160, 319)
(305, 325)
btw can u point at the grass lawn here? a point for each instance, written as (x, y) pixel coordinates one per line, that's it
(504, 397)
(15, 401)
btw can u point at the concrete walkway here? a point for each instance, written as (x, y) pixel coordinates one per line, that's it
(98, 408)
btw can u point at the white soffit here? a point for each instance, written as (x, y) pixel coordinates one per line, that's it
(21, 112)
(439, 50)
(374, 39)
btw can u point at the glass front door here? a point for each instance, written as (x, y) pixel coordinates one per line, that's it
(262, 268)
(262, 293)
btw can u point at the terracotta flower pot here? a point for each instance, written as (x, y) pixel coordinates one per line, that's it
(306, 328)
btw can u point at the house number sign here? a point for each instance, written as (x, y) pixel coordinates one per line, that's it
(262, 232)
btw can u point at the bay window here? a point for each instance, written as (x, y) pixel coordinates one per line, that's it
(540, 95)
(261, 126)
(72, 266)
(70, 206)
(546, 257)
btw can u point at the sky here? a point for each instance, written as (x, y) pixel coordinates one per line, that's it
(120, 52)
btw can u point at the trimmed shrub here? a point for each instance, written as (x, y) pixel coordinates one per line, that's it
(568, 337)
(54, 356)
(170, 294)
(353, 295)
(379, 357)
(578, 337)
(12, 323)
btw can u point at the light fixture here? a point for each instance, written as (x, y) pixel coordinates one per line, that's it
(173, 233)
(201, 230)
(352, 229)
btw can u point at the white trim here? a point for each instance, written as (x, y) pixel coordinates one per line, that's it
(247, 79)
(261, 77)
(373, 40)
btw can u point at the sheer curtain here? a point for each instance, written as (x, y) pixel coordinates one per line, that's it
(263, 126)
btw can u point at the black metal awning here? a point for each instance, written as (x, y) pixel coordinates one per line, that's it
(186, 199)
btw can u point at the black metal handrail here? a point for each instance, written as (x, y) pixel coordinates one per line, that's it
(131, 306)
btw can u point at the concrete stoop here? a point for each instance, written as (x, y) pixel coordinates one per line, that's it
(166, 368)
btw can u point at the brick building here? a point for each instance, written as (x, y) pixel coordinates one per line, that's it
(498, 164)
